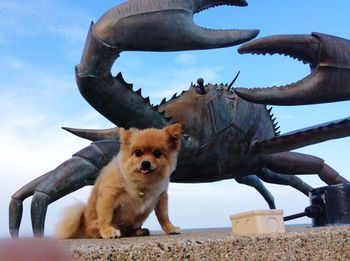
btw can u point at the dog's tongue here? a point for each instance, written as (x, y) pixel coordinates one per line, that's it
(144, 171)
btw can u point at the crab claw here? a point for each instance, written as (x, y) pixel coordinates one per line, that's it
(143, 25)
(329, 60)
(160, 25)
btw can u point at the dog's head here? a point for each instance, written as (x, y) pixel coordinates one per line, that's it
(149, 152)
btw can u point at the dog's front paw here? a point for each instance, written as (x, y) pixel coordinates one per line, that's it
(109, 232)
(173, 231)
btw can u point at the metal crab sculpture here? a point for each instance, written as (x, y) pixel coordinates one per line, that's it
(225, 136)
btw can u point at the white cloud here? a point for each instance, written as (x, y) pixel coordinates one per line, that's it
(166, 78)
(185, 59)
(15, 63)
(31, 146)
(167, 82)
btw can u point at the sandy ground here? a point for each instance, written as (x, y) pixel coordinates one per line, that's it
(328, 243)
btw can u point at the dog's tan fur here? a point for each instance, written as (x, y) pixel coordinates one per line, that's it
(123, 197)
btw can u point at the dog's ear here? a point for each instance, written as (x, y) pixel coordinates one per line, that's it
(174, 135)
(125, 136)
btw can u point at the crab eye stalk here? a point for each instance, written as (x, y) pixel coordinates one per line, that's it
(138, 153)
(157, 153)
(200, 86)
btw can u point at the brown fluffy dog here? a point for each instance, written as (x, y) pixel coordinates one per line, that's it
(133, 184)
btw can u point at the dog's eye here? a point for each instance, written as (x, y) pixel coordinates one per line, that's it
(138, 153)
(157, 153)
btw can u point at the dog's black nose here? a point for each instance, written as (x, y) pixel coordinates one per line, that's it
(146, 165)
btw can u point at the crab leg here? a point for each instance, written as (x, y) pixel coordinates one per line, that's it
(16, 204)
(288, 180)
(293, 163)
(80, 170)
(255, 182)
(304, 137)
(329, 60)
(143, 25)
(95, 135)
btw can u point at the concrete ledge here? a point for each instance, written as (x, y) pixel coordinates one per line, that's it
(329, 243)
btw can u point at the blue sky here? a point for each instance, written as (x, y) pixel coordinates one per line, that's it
(40, 43)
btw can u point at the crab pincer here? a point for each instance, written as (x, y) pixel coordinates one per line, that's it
(165, 25)
(329, 60)
(329, 81)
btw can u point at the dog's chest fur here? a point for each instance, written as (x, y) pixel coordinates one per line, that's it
(134, 209)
